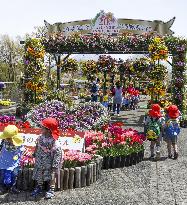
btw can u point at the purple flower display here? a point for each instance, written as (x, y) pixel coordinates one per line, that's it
(87, 116)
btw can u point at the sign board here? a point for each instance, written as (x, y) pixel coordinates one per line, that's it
(106, 23)
(69, 141)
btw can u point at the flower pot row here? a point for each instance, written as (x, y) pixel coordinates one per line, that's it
(67, 178)
(110, 162)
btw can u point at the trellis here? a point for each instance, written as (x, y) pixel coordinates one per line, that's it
(126, 44)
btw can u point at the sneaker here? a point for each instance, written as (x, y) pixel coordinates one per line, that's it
(170, 156)
(36, 191)
(49, 194)
(152, 157)
(14, 190)
(176, 155)
(2, 190)
(157, 155)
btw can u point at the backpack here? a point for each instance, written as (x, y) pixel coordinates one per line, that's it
(94, 88)
(172, 128)
(153, 130)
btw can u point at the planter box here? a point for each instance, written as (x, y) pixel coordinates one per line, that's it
(110, 162)
(67, 178)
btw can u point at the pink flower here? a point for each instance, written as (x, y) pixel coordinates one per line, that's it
(104, 144)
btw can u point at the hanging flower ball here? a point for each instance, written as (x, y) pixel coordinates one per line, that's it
(158, 50)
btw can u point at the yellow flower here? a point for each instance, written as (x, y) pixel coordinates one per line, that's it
(15, 157)
(76, 139)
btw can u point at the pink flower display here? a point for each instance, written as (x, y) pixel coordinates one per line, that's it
(115, 141)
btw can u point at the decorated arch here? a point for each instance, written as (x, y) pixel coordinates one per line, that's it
(107, 35)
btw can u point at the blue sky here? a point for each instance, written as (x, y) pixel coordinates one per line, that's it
(19, 17)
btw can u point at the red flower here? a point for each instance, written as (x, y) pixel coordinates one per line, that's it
(118, 124)
(26, 125)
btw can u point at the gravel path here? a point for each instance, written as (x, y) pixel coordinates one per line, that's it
(162, 182)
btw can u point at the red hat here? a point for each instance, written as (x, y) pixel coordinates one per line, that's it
(136, 92)
(155, 111)
(173, 111)
(51, 124)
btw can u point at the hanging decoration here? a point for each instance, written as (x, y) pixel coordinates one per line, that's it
(34, 70)
(157, 49)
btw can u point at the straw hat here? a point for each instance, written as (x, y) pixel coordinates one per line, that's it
(11, 132)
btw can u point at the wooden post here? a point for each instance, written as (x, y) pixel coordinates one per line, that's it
(88, 175)
(31, 181)
(77, 177)
(100, 165)
(20, 179)
(25, 179)
(71, 178)
(94, 172)
(97, 168)
(61, 179)
(91, 178)
(83, 176)
(66, 178)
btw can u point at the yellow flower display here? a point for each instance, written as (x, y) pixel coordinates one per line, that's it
(158, 50)
(5, 102)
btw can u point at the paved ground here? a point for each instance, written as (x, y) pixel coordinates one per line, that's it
(148, 183)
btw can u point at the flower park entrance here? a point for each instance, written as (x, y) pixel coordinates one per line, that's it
(107, 35)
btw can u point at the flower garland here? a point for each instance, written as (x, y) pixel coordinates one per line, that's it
(35, 68)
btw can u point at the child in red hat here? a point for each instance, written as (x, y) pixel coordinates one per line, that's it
(48, 155)
(153, 129)
(172, 129)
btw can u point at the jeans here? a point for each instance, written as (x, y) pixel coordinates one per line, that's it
(94, 98)
(7, 178)
(118, 108)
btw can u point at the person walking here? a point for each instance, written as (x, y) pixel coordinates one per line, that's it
(153, 123)
(117, 100)
(172, 130)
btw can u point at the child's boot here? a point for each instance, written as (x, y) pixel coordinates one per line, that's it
(2, 190)
(50, 191)
(14, 190)
(49, 194)
(152, 152)
(176, 155)
(36, 191)
(157, 153)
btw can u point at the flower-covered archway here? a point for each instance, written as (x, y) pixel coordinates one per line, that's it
(128, 44)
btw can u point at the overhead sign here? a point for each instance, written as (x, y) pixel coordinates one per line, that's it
(106, 23)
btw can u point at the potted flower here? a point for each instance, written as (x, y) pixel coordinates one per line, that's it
(183, 122)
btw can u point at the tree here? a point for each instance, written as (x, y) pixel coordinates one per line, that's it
(11, 55)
